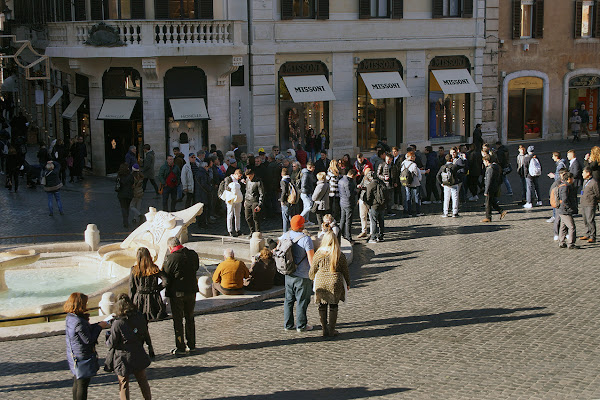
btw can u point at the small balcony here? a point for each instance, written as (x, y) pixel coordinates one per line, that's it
(143, 38)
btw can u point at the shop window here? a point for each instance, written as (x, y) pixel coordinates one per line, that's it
(584, 93)
(304, 9)
(528, 19)
(587, 19)
(452, 8)
(525, 108)
(448, 113)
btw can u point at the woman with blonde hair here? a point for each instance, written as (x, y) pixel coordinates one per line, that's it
(592, 160)
(329, 271)
(320, 197)
(144, 289)
(333, 177)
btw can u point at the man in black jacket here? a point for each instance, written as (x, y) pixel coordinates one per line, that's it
(375, 199)
(493, 179)
(322, 164)
(253, 201)
(180, 266)
(566, 210)
(590, 197)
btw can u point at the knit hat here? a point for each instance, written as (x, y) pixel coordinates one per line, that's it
(192, 155)
(297, 222)
(135, 167)
(530, 149)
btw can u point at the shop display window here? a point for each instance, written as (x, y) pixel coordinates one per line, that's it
(448, 113)
(525, 108)
(588, 96)
(377, 119)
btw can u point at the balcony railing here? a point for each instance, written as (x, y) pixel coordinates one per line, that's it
(150, 33)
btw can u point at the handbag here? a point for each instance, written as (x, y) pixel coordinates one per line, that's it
(86, 368)
(314, 208)
(53, 188)
(507, 170)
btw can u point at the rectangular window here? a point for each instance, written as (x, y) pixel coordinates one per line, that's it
(380, 8)
(182, 9)
(452, 8)
(303, 9)
(587, 13)
(526, 19)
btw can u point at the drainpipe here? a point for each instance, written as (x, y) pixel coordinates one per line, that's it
(250, 131)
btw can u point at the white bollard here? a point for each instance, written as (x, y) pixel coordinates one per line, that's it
(92, 237)
(205, 287)
(107, 303)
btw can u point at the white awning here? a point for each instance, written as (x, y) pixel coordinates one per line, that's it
(454, 81)
(55, 98)
(385, 85)
(308, 88)
(189, 109)
(72, 108)
(117, 109)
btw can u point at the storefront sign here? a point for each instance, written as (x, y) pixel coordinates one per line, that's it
(446, 62)
(55, 98)
(117, 109)
(454, 81)
(585, 81)
(384, 85)
(294, 68)
(379, 65)
(526, 82)
(72, 108)
(309, 88)
(188, 109)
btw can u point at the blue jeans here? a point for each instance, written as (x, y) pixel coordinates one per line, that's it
(296, 289)
(55, 195)
(532, 184)
(306, 205)
(507, 183)
(412, 196)
(285, 216)
(377, 223)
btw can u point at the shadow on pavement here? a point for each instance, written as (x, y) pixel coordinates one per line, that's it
(325, 393)
(426, 231)
(362, 273)
(399, 326)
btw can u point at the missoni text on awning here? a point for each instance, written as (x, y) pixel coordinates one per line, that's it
(305, 89)
(381, 86)
(449, 82)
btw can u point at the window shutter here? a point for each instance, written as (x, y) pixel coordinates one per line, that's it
(596, 32)
(287, 9)
(397, 9)
(578, 17)
(516, 19)
(138, 9)
(468, 9)
(206, 9)
(68, 16)
(161, 9)
(96, 10)
(538, 19)
(437, 8)
(364, 9)
(322, 9)
(80, 10)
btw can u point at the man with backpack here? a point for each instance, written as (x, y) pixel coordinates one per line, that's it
(289, 198)
(299, 247)
(493, 180)
(533, 171)
(307, 187)
(376, 200)
(446, 177)
(410, 178)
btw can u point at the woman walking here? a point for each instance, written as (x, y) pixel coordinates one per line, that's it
(124, 189)
(320, 197)
(138, 193)
(329, 271)
(52, 185)
(144, 288)
(81, 339)
(126, 354)
(333, 177)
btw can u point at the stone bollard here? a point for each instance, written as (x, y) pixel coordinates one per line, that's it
(107, 303)
(205, 287)
(256, 243)
(92, 237)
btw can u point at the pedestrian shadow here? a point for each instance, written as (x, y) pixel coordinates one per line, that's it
(325, 393)
(401, 326)
(361, 270)
(427, 230)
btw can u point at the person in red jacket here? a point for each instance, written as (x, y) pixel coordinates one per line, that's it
(301, 156)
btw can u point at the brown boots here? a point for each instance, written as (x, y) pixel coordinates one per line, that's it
(323, 316)
(333, 313)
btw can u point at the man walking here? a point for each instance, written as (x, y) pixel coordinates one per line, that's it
(253, 201)
(169, 177)
(286, 207)
(308, 182)
(446, 177)
(493, 181)
(180, 266)
(375, 199)
(347, 188)
(385, 174)
(148, 168)
(589, 202)
(298, 286)
(566, 210)
(187, 180)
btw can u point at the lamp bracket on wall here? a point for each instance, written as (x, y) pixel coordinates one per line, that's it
(236, 62)
(150, 68)
(44, 60)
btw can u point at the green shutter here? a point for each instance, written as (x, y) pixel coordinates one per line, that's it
(596, 32)
(538, 19)
(80, 10)
(397, 9)
(206, 9)
(138, 9)
(516, 19)
(96, 10)
(437, 9)
(578, 17)
(67, 10)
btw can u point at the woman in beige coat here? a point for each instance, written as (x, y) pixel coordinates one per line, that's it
(329, 270)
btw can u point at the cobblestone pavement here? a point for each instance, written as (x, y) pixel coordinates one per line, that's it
(443, 309)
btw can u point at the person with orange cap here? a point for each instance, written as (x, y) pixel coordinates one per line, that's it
(298, 286)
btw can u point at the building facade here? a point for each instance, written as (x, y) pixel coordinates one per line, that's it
(548, 66)
(189, 73)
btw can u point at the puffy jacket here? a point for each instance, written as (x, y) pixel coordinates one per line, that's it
(321, 195)
(307, 182)
(127, 337)
(81, 337)
(164, 172)
(180, 267)
(255, 192)
(347, 189)
(187, 178)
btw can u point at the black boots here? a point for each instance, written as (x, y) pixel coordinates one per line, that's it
(333, 313)
(323, 315)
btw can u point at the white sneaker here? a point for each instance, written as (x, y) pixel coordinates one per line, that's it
(550, 220)
(539, 203)
(556, 238)
(444, 215)
(528, 205)
(426, 202)
(567, 237)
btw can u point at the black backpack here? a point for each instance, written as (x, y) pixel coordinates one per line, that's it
(406, 176)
